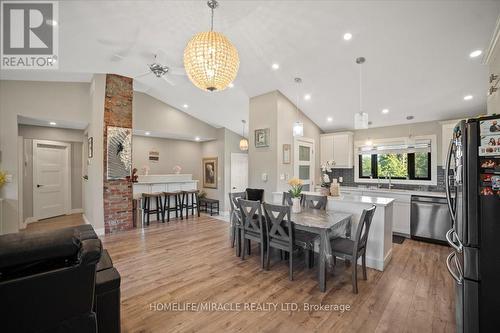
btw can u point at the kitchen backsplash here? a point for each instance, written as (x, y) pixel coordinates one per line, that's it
(348, 180)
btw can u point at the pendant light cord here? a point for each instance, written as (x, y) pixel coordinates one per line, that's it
(212, 20)
(360, 88)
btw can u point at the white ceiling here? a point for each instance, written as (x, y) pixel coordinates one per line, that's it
(417, 54)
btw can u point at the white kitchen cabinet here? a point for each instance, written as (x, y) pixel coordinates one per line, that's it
(400, 211)
(338, 147)
(446, 135)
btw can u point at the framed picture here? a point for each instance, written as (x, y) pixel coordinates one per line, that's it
(154, 155)
(119, 152)
(90, 147)
(262, 137)
(287, 149)
(210, 172)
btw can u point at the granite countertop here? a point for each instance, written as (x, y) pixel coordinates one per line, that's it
(395, 191)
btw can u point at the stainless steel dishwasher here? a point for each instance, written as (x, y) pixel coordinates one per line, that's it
(430, 218)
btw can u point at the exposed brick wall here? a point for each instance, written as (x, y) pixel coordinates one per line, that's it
(117, 193)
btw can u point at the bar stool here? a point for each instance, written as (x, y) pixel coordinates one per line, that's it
(193, 205)
(177, 208)
(146, 206)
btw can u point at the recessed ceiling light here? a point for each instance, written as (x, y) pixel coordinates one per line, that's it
(329, 119)
(475, 53)
(385, 111)
(347, 36)
(275, 66)
(148, 133)
(197, 138)
(185, 106)
(53, 123)
(231, 85)
(307, 97)
(468, 97)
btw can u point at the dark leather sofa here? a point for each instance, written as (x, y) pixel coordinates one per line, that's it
(58, 281)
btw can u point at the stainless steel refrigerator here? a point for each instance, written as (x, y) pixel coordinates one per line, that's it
(473, 195)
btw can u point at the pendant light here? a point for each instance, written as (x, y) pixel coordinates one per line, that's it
(360, 118)
(210, 60)
(298, 127)
(243, 141)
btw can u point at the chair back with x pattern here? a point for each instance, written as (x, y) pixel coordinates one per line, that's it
(362, 231)
(234, 216)
(314, 201)
(251, 215)
(278, 224)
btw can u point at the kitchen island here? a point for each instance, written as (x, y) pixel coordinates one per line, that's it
(164, 183)
(379, 246)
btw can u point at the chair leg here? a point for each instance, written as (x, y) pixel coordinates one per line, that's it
(307, 258)
(233, 235)
(249, 247)
(268, 257)
(262, 255)
(238, 242)
(149, 209)
(197, 204)
(363, 263)
(290, 266)
(334, 260)
(355, 278)
(244, 248)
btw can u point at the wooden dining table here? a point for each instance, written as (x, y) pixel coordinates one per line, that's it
(326, 224)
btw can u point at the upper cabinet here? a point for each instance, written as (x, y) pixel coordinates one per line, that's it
(338, 147)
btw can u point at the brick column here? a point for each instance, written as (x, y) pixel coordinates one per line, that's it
(117, 193)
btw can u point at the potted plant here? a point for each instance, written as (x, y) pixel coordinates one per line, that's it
(3, 178)
(295, 191)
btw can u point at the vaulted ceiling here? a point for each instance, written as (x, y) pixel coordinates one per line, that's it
(417, 54)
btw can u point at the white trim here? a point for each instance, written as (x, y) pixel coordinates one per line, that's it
(433, 180)
(488, 55)
(378, 264)
(76, 211)
(85, 219)
(98, 231)
(20, 183)
(30, 220)
(67, 197)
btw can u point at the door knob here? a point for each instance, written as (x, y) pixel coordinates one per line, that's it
(38, 185)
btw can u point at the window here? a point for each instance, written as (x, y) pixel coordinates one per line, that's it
(396, 160)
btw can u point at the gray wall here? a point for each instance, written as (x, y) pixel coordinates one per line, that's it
(186, 154)
(75, 138)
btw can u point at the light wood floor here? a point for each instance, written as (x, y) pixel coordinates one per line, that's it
(56, 223)
(191, 261)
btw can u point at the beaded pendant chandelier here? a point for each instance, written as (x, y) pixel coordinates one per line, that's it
(210, 60)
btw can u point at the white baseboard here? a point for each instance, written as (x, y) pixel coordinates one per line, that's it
(30, 220)
(377, 264)
(85, 219)
(99, 232)
(76, 211)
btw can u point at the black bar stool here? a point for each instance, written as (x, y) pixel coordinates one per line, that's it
(167, 207)
(195, 202)
(146, 206)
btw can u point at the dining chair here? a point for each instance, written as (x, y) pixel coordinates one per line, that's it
(353, 249)
(235, 218)
(314, 201)
(252, 228)
(287, 199)
(255, 194)
(282, 235)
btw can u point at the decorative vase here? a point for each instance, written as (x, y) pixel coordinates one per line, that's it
(324, 191)
(335, 190)
(296, 208)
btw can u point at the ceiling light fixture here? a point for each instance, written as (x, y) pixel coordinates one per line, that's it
(210, 60)
(147, 133)
(385, 111)
(197, 138)
(275, 66)
(231, 85)
(243, 141)
(185, 106)
(298, 127)
(475, 53)
(360, 118)
(52, 123)
(307, 97)
(347, 36)
(369, 142)
(329, 119)
(468, 97)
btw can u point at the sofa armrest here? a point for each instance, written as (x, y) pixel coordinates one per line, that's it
(90, 252)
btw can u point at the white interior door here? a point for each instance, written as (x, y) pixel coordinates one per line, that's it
(304, 162)
(239, 172)
(51, 194)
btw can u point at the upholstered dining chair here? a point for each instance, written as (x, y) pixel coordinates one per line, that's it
(252, 227)
(353, 249)
(282, 235)
(235, 219)
(314, 201)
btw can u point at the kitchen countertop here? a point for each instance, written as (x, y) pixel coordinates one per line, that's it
(375, 200)
(166, 182)
(395, 191)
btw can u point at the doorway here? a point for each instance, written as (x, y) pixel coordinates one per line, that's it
(51, 179)
(239, 172)
(304, 162)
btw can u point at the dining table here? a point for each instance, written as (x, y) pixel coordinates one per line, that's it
(328, 225)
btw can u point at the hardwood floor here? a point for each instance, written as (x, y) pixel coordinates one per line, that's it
(192, 261)
(56, 223)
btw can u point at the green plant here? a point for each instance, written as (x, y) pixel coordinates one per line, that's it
(3, 178)
(296, 187)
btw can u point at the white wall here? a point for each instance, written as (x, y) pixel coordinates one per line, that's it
(75, 138)
(231, 145)
(57, 101)
(93, 206)
(186, 154)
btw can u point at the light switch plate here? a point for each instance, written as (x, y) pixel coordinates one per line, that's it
(341, 179)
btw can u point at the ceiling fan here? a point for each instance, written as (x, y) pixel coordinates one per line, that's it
(162, 71)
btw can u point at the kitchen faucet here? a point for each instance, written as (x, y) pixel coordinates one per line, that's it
(389, 186)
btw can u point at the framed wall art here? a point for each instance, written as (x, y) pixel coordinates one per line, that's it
(210, 172)
(119, 152)
(262, 137)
